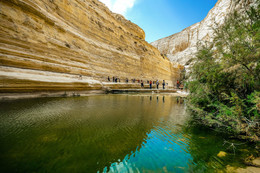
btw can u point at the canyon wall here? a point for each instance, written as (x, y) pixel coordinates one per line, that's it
(182, 47)
(62, 45)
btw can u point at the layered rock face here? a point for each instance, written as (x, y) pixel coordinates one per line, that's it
(182, 47)
(59, 45)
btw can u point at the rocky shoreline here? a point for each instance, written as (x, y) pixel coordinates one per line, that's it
(108, 87)
(253, 168)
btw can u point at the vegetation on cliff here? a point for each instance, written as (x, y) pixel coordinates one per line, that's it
(225, 86)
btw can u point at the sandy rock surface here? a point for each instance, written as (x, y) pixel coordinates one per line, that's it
(48, 45)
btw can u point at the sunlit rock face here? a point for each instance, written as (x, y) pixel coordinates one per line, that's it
(49, 45)
(182, 47)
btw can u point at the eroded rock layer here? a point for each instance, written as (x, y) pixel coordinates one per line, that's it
(48, 45)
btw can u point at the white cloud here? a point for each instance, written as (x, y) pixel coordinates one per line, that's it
(119, 6)
(108, 3)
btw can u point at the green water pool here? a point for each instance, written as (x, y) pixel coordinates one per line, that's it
(109, 133)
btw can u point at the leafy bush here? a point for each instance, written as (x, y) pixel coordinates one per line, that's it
(224, 91)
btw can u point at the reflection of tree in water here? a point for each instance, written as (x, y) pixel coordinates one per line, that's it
(180, 100)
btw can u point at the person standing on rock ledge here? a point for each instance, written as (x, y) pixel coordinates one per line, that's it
(150, 84)
(108, 78)
(80, 77)
(142, 84)
(157, 84)
(163, 84)
(178, 84)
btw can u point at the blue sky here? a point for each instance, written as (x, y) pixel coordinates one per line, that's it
(161, 18)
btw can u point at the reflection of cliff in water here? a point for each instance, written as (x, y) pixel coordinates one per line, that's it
(165, 145)
(88, 133)
(120, 133)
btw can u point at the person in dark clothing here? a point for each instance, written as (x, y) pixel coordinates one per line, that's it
(150, 84)
(163, 84)
(126, 80)
(113, 79)
(108, 78)
(142, 84)
(157, 84)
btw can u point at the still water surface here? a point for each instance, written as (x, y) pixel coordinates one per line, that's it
(108, 133)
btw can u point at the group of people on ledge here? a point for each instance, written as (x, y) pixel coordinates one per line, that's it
(150, 82)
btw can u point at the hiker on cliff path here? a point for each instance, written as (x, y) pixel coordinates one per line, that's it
(157, 84)
(142, 84)
(163, 84)
(150, 84)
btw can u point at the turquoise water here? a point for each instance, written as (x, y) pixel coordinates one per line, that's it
(109, 133)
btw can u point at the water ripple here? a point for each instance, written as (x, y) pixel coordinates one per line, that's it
(108, 133)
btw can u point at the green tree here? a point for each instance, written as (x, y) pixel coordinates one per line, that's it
(225, 86)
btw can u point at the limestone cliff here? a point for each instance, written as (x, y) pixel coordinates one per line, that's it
(49, 45)
(182, 47)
